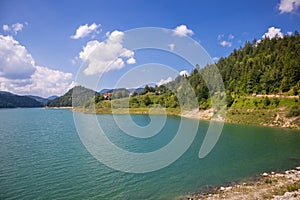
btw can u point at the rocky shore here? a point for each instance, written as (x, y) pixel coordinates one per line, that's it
(275, 186)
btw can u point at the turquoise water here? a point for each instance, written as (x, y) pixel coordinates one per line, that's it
(41, 156)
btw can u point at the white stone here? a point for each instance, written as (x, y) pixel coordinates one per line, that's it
(265, 174)
(228, 188)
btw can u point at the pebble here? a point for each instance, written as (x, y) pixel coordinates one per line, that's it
(298, 168)
(265, 174)
(229, 188)
(279, 175)
(222, 188)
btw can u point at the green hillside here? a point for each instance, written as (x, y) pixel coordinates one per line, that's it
(76, 96)
(261, 79)
(9, 100)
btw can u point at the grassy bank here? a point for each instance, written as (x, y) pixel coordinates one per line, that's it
(141, 110)
(277, 112)
(281, 112)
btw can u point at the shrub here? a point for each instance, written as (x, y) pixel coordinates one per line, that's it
(294, 111)
(267, 101)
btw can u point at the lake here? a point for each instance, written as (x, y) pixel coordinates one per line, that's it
(42, 156)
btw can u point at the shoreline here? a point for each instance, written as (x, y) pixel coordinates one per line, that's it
(62, 107)
(277, 186)
(245, 116)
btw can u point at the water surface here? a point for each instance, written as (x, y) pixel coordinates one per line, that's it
(41, 156)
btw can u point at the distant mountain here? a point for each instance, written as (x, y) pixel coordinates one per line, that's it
(9, 100)
(76, 96)
(52, 97)
(137, 90)
(39, 99)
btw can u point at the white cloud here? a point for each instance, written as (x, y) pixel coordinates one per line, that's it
(184, 73)
(171, 46)
(288, 6)
(15, 61)
(164, 81)
(86, 30)
(107, 55)
(131, 61)
(47, 82)
(14, 28)
(225, 43)
(182, 30)
(273, 32)
(19, 74)
(44, 82)
(5, 27)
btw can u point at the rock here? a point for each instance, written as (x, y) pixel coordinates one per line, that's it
(265, 174)
(279, 175)
(228, 188)
(272, 173)
(222, 188)
(298, 168)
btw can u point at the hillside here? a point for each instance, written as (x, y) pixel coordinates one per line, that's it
(252, 75)
(9, 100)
(40, 99)
(76, 96)
(261, 79)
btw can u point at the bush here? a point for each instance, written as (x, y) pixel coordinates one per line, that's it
(267, 101)
(294, 111)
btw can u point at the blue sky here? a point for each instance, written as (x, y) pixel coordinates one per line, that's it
(40, 51)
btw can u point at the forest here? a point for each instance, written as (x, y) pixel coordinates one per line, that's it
(267, 66)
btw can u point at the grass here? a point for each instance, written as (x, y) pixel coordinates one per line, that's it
(261, 110)
(244, 110)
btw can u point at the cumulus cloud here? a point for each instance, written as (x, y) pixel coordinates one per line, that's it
(288, 6)
(273, 32)
(164, 81)
(86, 30)
(131, 61)
(19, 73)
(14, 28)
(5, 27)
(107, 55)
(225, 43)
(184, 73)
(47, 82)
(182, 30)
(15, 61)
